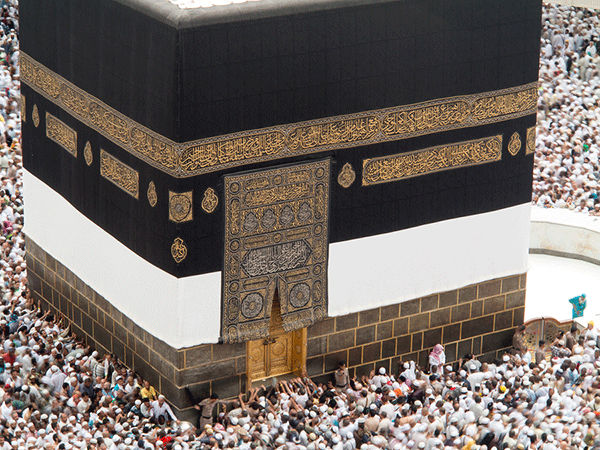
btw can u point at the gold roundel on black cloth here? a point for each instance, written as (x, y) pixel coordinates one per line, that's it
(178, 250)
(234, 246)
(515, 144)
(346, 176)
(35, 116)
(530, 141)
(210, 200)
(152, 197)
(180, 206)
(87, 153)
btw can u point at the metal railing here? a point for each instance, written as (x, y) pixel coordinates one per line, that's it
(545, 328)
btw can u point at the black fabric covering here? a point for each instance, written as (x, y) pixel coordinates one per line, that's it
(248, 75)
(112, 52)
(198, 82)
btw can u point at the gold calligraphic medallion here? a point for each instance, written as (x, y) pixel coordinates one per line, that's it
(179, 250)
(180, 206)
(210, 200)
(276, 225)
(23, 105)
(346, 176)
(35, 116)
(87, 153)
(530, 142)
(515, 144)
(152, 197)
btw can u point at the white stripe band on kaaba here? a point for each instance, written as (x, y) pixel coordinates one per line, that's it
(182, 311)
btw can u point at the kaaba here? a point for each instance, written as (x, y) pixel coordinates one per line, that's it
(220, 192)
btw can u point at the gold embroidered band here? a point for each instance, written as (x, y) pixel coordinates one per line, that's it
(433, 159)
(188, 159)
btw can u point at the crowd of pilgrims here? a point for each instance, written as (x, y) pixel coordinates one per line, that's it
(566, 172)
(57, 393)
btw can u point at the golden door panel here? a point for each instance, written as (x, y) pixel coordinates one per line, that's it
(270, 357)
(277, 355)
(280, 355)
(257, 363)
(299, 352)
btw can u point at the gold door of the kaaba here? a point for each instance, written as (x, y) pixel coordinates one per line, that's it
(276, 239)
(280, 353)
(277, 355)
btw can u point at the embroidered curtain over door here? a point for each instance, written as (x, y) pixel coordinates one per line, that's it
(276, 236)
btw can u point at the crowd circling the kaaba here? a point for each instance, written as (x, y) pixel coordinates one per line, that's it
(57, 393)
(567, 170)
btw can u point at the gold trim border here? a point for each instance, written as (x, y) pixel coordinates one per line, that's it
(58, 131)
(119, 174)
(396, 167)
(183, 160)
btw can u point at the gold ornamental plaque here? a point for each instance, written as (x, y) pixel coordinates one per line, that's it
(276, 228)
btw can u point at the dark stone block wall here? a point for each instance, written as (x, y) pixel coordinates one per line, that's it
(478, 318)
(204, 368)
